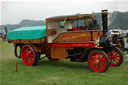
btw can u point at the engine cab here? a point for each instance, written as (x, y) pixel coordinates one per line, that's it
(75, 28)
(72, 33)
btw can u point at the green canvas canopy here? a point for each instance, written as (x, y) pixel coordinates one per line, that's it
(35, 32)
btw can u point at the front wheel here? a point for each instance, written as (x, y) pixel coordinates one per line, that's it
(115, 57)
(98, 61)
(29, 56)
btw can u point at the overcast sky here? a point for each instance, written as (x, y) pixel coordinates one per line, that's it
(12, 12)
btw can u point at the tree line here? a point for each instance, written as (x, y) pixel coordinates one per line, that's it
(116, 20)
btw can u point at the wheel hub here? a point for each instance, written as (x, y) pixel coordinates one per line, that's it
(97, 61)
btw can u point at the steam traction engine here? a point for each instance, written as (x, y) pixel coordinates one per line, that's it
(75, 37)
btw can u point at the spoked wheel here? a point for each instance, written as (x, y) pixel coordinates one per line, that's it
(98, 61)
(29, 56)
(115, 57)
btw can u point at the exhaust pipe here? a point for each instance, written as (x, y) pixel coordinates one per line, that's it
(104, 20)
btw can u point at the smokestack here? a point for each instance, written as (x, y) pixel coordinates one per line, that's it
(104, 20)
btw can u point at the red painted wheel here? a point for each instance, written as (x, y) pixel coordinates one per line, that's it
(115, 57)
(29, 56)
(98, 61)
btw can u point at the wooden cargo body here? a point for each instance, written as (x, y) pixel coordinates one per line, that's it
(33, 41)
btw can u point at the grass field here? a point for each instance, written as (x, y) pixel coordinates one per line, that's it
(62, 72)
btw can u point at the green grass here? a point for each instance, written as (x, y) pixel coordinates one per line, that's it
(62, 72)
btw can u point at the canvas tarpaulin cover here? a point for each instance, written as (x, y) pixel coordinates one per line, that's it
(35, 32)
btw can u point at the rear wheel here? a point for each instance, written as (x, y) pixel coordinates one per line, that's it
(115, 57)
(29, 56)
(98, 61)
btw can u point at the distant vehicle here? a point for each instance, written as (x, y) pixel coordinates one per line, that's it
(74, 37)
(122, 33)
(3, 35)
(118, 38)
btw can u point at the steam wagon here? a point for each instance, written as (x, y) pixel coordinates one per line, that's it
(75, 37)
(118, 39)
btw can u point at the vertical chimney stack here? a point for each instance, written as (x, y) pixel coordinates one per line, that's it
(104, 20)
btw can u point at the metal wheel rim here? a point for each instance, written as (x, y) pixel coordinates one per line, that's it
(114, 57)
(28, 55)
(97, 61)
